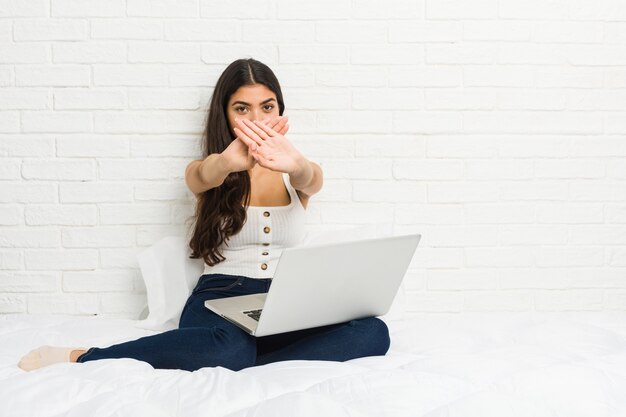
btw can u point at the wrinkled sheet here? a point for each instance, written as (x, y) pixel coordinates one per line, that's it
(470, 364)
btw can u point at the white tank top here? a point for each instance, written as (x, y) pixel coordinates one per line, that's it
(254, 251)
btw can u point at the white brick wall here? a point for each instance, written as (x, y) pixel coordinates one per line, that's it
(496, 128)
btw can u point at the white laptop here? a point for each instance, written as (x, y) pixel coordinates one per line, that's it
(324, 284)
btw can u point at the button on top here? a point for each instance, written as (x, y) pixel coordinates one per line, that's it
(264, 266)
(266, 229)
(266, 244)
(266, 213)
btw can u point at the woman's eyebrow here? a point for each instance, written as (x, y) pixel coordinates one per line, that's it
(247, 104)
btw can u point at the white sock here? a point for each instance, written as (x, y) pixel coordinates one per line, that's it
(44, 356)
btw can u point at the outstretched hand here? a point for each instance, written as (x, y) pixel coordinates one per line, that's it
(269, 148)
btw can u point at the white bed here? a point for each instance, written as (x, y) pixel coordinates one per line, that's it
(471, 364)
(464, 365)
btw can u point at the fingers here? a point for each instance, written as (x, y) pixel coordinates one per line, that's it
(266, 129)
(257, 127)
(279, 125)
(251, 130)
(250, 139)
(246, 140)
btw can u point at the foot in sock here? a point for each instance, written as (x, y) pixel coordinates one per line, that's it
(44, 356)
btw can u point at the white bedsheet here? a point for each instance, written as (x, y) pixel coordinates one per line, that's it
(471, 364)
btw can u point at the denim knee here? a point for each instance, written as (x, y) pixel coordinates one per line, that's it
(376, 338)
(229, 348)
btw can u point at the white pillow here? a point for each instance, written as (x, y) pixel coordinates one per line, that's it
(169, 276)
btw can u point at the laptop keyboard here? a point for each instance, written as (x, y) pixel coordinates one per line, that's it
(255, 314)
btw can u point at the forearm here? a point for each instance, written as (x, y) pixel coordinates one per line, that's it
(213, 170)
(206, 174)
(308, 179)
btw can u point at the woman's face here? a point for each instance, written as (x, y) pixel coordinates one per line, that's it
(252, 102)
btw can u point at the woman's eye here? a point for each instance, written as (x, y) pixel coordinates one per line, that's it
(269, 107)
(240, 109)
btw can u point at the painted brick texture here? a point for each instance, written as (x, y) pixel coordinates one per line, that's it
(496, 128)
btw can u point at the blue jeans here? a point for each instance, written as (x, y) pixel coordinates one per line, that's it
(205, 339)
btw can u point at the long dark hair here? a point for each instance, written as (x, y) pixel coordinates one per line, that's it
(219, 211)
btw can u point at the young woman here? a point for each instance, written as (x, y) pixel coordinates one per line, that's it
(252, 189)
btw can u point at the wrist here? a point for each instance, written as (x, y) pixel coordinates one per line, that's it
(302, 176)
(302, 166)
(212, 164)
(222, 164)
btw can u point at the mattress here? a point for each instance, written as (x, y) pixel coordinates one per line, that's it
(470, 364)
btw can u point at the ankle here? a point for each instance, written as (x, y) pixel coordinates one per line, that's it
(75, 354)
